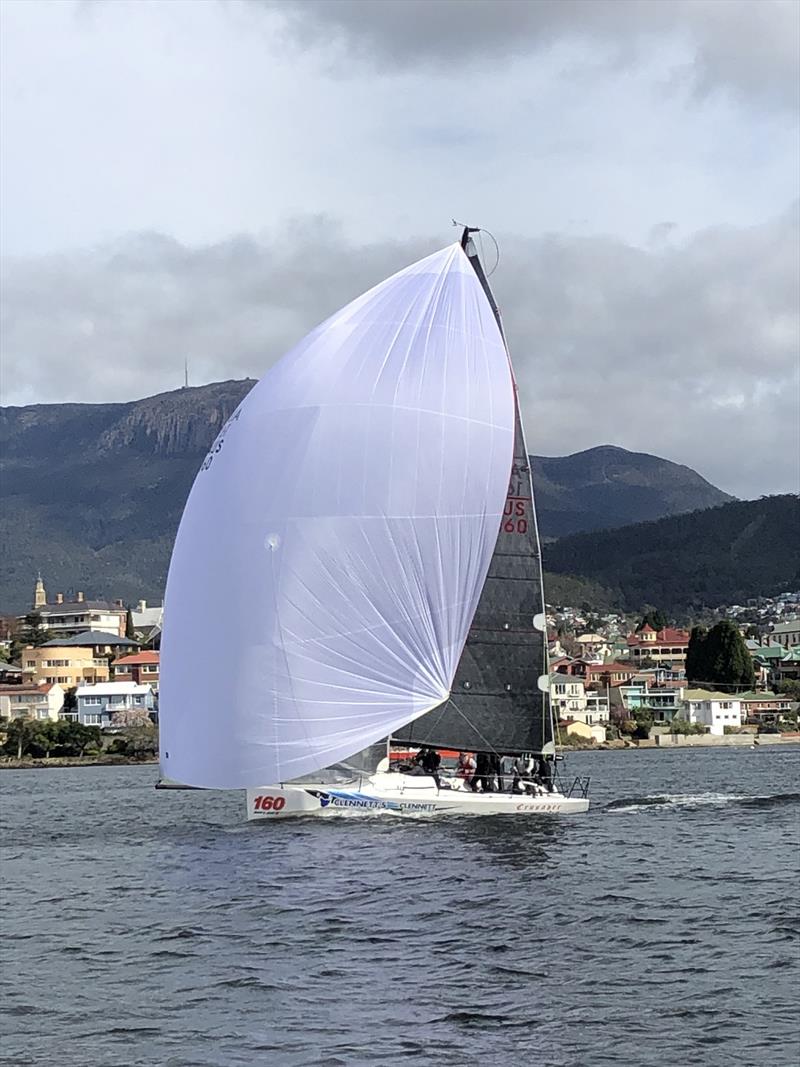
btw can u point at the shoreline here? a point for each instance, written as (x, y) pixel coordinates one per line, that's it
(675, 742)
(43, 764)
(745, 742)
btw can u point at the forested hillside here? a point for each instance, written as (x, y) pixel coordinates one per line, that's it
(92, 493)
(722, 555)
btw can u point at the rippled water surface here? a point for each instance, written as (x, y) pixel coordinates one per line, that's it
(161, 929)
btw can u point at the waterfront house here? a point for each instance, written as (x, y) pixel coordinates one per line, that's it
(577, 728)
(10, 674)
(764, 707)
(567, 696)
(667, 647)
(594, 647)
(141, 667)
(78, 660)
(786, 634)
(787, 668)
(570, 701)
(765, 661)
(147, 622)
(715, 711)
(63, 664)
(64, 618)
(114, 704)
(598, 674)
(663, 701)
(31, 701)
(558, 664)
(597, 708)
(674, 677)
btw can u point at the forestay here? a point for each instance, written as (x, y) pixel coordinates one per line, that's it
(338, 536)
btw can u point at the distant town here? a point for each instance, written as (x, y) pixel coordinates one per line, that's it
(80, 677)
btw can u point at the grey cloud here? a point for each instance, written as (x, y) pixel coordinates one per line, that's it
(749, 46)
(689, 350)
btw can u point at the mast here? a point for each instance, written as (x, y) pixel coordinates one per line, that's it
(472, 255)
(497, 702)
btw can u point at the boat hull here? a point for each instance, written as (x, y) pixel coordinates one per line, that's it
(405, 795)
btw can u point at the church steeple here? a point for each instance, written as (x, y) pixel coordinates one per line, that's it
(39, 595)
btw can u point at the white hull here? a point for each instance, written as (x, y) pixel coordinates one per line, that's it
(401, 794)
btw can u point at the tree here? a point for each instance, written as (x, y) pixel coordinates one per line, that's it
(76, 738)
(31, 737)
(46, 737)
(655, 618)
(789, 686)
(718, 657)
(50, 737)
(138, 742)
(130, 633)
(33, 631)
(683, 726)
(696, 653)
(643, 718)
(19, 735)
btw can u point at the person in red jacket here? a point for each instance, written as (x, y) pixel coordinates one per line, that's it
(465, 768)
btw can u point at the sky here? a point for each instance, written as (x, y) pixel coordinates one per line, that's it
(206, 181)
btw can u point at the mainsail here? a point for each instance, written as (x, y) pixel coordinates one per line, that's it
(496, 703)
(340, 531)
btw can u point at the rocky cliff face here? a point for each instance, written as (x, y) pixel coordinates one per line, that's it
(176, 423)
(93, 493)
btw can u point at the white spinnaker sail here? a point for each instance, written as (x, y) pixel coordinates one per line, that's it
(334, 545)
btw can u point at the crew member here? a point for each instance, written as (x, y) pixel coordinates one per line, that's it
(465, 768)
(429, 759)
(544, 772)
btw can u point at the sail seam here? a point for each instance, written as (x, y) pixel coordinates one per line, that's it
(395, 407)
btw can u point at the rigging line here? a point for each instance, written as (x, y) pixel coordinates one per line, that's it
(482, 230)
(489, 273)
(472, 726)
(738, 685)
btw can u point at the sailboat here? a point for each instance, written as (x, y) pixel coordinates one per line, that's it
(364, 530)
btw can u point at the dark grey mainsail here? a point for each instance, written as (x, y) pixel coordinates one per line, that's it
(496, 704)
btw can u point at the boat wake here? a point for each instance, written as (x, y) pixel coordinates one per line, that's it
(698, 800)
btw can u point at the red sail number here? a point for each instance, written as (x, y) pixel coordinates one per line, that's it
(514, 520)
(269, 803)
(519, 526)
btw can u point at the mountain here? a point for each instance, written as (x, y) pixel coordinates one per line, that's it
(93, 493)
(609, 486)
(684, 563)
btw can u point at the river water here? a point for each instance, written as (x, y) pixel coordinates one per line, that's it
(144, 928)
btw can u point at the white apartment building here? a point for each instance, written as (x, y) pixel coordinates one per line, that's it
(31, 701)
(715, 711)
(567, 696)
(597, 711)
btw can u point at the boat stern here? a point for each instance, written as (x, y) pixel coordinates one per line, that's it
(276, 802)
